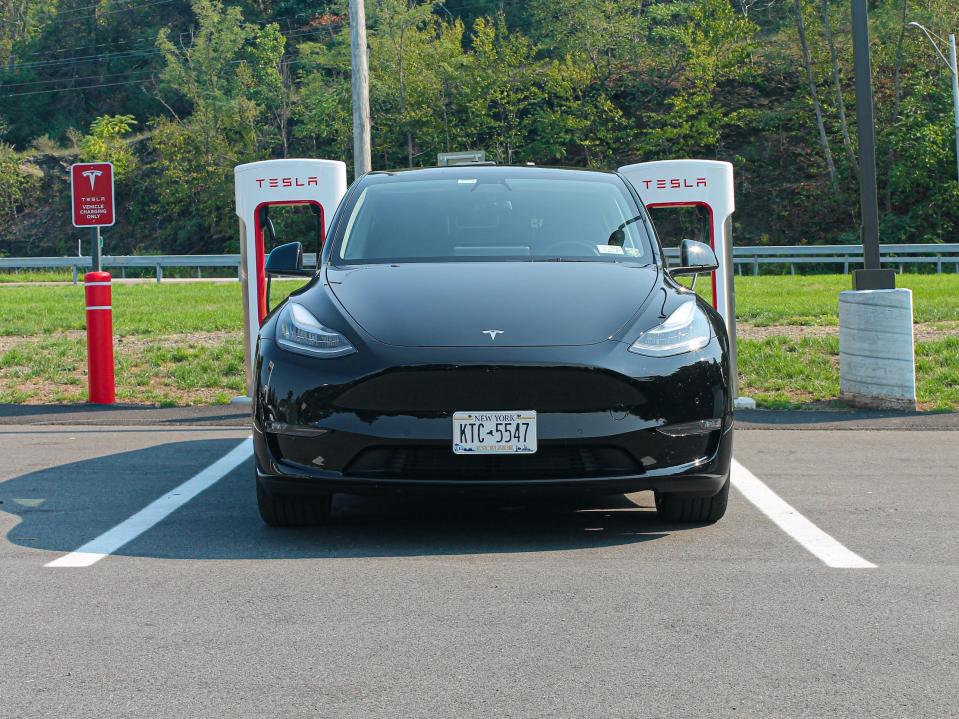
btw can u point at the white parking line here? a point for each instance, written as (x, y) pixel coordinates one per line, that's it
(128, 530)
(811, 537)
(807, 534)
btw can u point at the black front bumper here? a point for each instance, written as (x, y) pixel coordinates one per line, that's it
(704, 477)
(343, 426)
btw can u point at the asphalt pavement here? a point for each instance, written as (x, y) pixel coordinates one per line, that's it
(465, 608)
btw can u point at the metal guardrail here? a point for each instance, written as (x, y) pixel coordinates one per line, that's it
(157, 262)
(743, 256)
(845, 255)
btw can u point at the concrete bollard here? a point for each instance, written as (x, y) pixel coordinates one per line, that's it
(877, 360)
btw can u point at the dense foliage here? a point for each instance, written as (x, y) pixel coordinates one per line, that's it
(176, 93)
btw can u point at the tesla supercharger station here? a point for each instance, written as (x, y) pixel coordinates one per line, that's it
(260, 185)
(707, 184)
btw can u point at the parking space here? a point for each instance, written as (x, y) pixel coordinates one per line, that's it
(406, 607)
(891, 496)
(71, 484)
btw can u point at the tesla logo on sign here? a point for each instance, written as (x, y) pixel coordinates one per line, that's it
(91, 186)
(93, 175)
(675, 183)
(287, 182)
(492, 333)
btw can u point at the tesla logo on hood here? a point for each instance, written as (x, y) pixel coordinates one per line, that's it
(492, 333)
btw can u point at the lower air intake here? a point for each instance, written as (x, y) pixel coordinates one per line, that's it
(561, 462)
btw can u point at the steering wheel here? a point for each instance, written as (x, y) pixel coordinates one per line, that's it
(578, 248)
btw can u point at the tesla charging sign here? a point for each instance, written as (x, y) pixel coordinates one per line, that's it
(91, 185)
(260, 185)
(698, 183)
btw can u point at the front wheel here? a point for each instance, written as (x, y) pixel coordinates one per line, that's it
(280, 510)
(697, 510)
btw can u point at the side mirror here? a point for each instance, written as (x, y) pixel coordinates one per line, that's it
(287, 260)
(695, 258)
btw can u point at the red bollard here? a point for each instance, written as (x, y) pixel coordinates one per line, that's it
(99, 338)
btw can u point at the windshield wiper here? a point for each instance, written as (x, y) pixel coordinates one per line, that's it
(559, 259)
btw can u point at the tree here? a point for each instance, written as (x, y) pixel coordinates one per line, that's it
(579, 82)
(452, 65)
(106, 143)
(14, 20)
(922, 183)
(399, 46)
(813, 92)
(506, 85)
(226, 73)
(576, 122)
(712, 43)
(323, 114)
(608, 33)
(837, 88)
(15, 183)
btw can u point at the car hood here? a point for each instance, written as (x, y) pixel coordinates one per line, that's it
(526, 304)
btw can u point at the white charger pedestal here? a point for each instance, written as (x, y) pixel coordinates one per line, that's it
(877, 359)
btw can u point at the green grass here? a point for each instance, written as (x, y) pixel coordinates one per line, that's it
(937, 373)
(39, 276)
(160, 362)
(149, 273)
(195, 365)
(779, 372)
(54, 364)
(814, 299)
(159, 309)
(785, 373)
(141, 309)
(156, 372)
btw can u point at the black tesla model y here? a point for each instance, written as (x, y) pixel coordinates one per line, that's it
(492, 329)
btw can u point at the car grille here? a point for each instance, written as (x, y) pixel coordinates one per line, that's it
(442, 390)
(557, 462)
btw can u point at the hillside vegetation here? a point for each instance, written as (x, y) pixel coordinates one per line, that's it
(177, 93)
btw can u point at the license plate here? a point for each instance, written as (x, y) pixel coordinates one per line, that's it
(494, 432)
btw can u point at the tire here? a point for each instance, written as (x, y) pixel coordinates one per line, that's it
(280, 510)
(694, 510)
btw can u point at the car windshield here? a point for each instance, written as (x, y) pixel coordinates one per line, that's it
(495, 217)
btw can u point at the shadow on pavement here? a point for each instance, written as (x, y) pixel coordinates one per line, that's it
(63, 507)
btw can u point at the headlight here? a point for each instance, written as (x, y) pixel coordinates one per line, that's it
(685, 330)
(299, 331)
